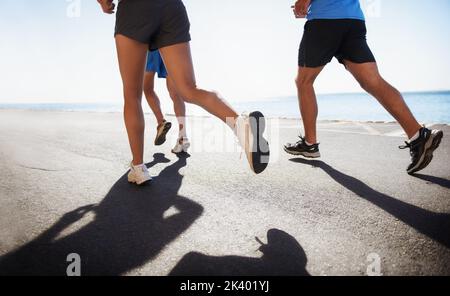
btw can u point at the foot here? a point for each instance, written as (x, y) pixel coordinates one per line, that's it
(422, 149)
(161, 132)
(249, 130)
(182, 145)
(303, 149)
(139, 174)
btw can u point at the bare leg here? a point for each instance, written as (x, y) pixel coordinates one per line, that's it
(178, 61)
(307, 101)
(371, 81)
(179, 107)
(132, 56)
(152, 97)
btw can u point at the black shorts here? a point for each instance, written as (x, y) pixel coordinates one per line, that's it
(324, 39)
(158, 23)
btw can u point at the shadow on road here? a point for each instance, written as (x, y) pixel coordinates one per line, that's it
(282, 256)
(435, 180)
(128, 229)
(434, 225)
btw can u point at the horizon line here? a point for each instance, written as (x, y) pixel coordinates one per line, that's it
(30, 101)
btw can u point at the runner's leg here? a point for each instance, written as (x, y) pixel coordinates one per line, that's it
(152, 97)
(369, 78)
(178, 106)
(132, 56)
(178, 61)
(307, 100)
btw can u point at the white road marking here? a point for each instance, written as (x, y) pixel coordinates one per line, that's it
(397, 133)
(368, 128)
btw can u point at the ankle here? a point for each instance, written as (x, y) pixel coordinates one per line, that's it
(137, 163)
(310, 141)
(413, 136)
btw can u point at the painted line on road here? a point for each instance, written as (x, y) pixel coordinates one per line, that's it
(396, 133)
(368, 128)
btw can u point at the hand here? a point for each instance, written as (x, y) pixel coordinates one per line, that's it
(107, 6)
(301, 8)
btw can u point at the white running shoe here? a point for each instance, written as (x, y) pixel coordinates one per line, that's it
(182, 145)
(249, 131)
(139, 174)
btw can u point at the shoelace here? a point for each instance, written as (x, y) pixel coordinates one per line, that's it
(302, 140)
(408, 145)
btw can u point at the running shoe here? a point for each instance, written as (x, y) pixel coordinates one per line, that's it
(182, 145)
(139, 174)
(421, 149)
(303, 149)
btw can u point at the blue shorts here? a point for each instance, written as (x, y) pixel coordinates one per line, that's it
(155, 64)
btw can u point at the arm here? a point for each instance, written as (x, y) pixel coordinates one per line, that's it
(301, 8)
(107, 6)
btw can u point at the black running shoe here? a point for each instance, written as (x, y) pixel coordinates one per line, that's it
(422, 149)
(301, 148)
(161, 132)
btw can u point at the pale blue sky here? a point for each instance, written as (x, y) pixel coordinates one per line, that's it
(245, 49)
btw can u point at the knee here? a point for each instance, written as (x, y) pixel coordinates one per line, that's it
(371, 83)
(188, 93)
(174, 95)
(149, 91)
(303, 81)
(133, 96)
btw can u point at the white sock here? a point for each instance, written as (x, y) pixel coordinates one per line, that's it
(307, 143)
(138, 166)
(415, 137)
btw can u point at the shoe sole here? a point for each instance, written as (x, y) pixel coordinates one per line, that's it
(260, 152)
(305, 154)
(161, 139)
(432, 144)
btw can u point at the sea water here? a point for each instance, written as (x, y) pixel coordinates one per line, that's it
(428, 107)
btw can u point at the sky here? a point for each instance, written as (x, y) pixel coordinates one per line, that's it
(63, 50)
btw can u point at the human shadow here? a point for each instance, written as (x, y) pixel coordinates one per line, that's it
(128, 230)
(434, 225)
(435, 180)
(282, 256)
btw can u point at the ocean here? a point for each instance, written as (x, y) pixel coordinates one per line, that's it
(428, 107)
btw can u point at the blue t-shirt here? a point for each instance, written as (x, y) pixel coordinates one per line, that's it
(335, 9)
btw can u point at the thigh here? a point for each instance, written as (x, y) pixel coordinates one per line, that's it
(363, 72)
(132, 57)
(138, 20)
(308, 75)
(174, 27)
(178, 61)
(354, 47)
(321, 41)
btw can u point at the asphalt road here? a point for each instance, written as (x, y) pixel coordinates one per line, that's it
(63, 190)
